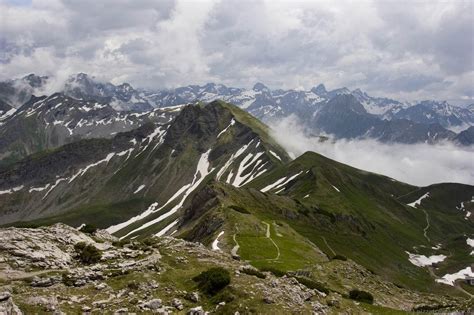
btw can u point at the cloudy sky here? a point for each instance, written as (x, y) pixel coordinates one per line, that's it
(403, 49)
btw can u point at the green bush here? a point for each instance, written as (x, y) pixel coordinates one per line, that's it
(88, 228)
(87, 253)
(213, 280)
(133, 286)
(276, 272)
(67, 281)
(253, 272)
(362, 296)
(311, 284)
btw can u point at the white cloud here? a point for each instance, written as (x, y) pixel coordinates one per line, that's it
(417, 49)
(417, 164)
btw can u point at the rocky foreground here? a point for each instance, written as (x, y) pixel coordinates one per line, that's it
(43, 270)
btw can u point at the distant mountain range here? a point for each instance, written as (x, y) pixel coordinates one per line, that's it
(340, 113)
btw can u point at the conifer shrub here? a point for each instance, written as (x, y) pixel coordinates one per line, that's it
(361, 296)
(87, 253)
(213, 280)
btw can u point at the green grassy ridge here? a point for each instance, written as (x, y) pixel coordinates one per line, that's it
(394, 227)
(249, 231)
(260, 252)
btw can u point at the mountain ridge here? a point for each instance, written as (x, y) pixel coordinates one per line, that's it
(267, 104)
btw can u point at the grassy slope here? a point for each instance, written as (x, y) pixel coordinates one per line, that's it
(364, 220)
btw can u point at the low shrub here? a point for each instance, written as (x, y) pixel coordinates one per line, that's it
(312, 284)
(361, 296)
(87, 253)
(253, 272)
(339, 257)
(88, 228)
(133, 286)
(66, 279)
(213, 280)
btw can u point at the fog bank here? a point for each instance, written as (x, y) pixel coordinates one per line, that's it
(417, 164)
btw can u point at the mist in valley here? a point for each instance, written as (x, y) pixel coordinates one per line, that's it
(416, 164)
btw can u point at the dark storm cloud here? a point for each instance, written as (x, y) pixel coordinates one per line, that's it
(410, 49)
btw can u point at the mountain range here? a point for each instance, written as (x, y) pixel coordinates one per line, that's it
(211, 173)
(339, 113)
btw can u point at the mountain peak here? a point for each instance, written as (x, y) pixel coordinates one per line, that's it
(260, 87)
(319, 90)
(34, 80)
(360, 95)
(81, 76)
(346, 102)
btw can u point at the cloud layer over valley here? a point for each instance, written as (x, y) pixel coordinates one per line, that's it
(417, 164)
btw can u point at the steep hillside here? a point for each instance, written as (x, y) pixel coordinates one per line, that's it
(5, 111)
(135, 172)
(49, 122)
(466, 137)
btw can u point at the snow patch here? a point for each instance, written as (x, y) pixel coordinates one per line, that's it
(470, 242)
(246, 162)
(167, 228)
(81, 172)
(11, 190)
(139, 189)
(232, 122)
(231, 160)
(449, 279)
(118, 227)
(38, 188)
(215, 244)
(418, 201)
(274, 154)
(280, 183)
(201, 172)
(422, 260)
